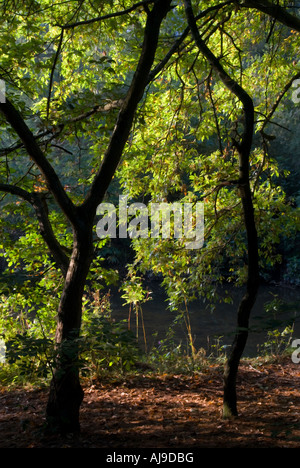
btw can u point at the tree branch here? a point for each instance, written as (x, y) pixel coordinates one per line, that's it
(108, 16)
(279, 98)
(246, 141)
(56, 129)
(39, 204)
(14, 118)
(126, 115)
(56, 250)
(181, 38)
(14, 190)
(275, 11)
(53, 70)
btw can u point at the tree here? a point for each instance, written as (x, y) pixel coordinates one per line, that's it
(232, 126)
(84, 86)
(66, 393)
(243, 149)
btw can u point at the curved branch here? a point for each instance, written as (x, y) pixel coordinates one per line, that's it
(39, 204)
(244, 148)
(245, 145)
(275, 11)
(57, 250)
(126, 115)
(109, 15)
(14, 190)
(15, 119)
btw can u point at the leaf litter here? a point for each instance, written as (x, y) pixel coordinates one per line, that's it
(167, 411)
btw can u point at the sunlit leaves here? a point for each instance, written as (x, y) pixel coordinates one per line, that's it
(183, 148)
(59, 64)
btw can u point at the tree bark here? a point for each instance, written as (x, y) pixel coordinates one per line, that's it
(275, 11)
(244, 310)
(66, 394)
(252, 285)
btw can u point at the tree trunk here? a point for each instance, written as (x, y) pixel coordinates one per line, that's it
(245, 307)
(66, 394)
(244, 149)
(238, 346)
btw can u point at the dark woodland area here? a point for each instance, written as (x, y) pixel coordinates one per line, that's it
(149, 253)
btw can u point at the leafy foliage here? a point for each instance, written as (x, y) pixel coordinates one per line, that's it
(67, 67)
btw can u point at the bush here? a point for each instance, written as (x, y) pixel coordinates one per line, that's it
(107, 346)
(32, 356)
(104, 346)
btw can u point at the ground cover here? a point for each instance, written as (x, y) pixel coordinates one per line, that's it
(167, 411)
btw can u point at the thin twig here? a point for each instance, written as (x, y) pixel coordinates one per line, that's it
(108, 16)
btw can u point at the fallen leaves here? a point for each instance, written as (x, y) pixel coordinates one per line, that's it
(168, 411)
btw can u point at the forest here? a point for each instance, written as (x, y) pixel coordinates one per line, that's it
(149, 249)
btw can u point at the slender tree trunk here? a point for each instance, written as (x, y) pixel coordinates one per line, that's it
(66, 394)
(244, 149)
(247, 302)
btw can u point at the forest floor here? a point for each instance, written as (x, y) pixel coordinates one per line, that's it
(167, 411)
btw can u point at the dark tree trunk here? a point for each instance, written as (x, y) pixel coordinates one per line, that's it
(66, 394)
(238, 346)
(244, 149)
(64, 401)
(248, 300)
